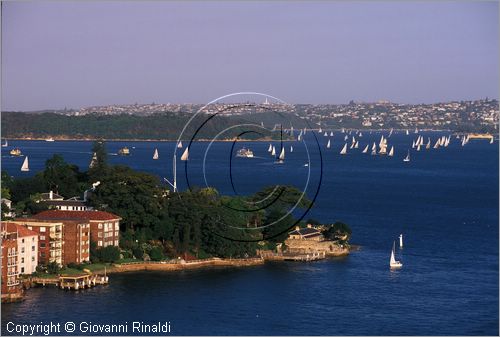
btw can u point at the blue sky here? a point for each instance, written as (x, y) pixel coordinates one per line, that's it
(74, 54)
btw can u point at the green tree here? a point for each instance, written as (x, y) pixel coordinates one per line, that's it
(62, 177)
(156, 254)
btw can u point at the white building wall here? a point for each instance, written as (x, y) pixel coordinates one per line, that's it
(28, 254)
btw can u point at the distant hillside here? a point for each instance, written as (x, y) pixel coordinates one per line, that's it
(125, 126)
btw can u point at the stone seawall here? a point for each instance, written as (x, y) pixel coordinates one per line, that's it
(159, 266)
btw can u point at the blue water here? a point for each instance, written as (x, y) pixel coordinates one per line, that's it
(444, 201)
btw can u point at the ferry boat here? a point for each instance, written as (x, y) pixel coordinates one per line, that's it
(124, 151)
(50, 139)
(16, 152)
(245, 153)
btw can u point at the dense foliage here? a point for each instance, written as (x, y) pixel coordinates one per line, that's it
(157, 223)
(127, 126)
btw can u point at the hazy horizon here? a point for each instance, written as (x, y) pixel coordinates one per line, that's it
(76, 54)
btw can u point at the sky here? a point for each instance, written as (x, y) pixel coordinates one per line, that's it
(76, 54)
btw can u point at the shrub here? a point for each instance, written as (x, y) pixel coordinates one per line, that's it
(109, 254)
(138, 252)
(156, 254)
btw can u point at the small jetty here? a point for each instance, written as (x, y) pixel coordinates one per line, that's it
(71, 282)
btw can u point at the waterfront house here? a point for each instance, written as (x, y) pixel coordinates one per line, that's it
(310, 240)
(11, 289)
(27, 247)
(50, 239)
(104, 226)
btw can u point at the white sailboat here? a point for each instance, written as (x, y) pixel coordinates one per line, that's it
(155, 154)
(393, 263)
(428, 145)
(360, 134)
(328, 144)
(352, 146)
(179, 145)
(346, 137)
(413, 145)
(391, 152)
(418, 147)
(299, 138)
(273, 151)
(320, 130)
(331, 133)
(270, 148)
(438, 142)
(365, 150)
(374, 149)
(344, 149)
(356, 145)
(383, 145)
(491, 140)
(25, 166)
(407, 158)
(5, 144)
(407, 133)
(185, 155)
(326, 134)
(281, 158)
(291, 148)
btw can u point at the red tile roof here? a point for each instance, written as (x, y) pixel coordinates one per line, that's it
(76, 215)
(20, 229)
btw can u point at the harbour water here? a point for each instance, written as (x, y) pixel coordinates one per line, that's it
(444, 201)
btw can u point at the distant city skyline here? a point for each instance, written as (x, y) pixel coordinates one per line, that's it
(76, 54)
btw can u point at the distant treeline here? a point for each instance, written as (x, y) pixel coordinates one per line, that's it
(126, 126)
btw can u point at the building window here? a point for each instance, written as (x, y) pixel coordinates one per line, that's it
(22, 250)
(22, 270)
(22, 240)
(117, 226)
(42, 237)
(33, 239)
(32, 248)
(116, 242)
(116, 233)
(32, 259)
(42, 229)
(42, 245)
(99, 235)
(99, 243)
(99, 226)
(22, 260)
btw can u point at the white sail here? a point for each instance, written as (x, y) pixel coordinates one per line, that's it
(320, 130)
(416, 130)
(391, 153)
(491, 140)
(343, 130)
(299, 138)
(407, 156)
(291, 148)
(428, 145)
(346, 137)
(353, 140)
(270, 148)
(352, 146)
(401, 240)
(273, 151)
(365, 150)
(360, 134)
(437, 144)
(331, 133)
(5, 144)
(393, 263)
(413, 145)
(418, 147)
(282, 154)
(185, 155)
(179, 145)
(326, 134)
(356, 145)
(155, 155)
(328, 144)
(344, 149)
(407, 133)
(25, 166)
